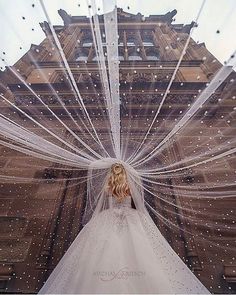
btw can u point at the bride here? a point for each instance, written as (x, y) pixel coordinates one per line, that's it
(120, 250)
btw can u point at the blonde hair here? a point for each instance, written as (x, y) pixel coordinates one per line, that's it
(117, 182)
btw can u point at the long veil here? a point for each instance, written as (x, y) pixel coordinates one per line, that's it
(116, 85)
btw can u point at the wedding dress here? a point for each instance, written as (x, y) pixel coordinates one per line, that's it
(121, 251)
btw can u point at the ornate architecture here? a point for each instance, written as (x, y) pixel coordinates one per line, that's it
(40, 219)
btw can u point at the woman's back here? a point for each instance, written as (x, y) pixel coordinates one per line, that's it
(124, 203)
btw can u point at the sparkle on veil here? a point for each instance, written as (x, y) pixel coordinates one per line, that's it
(109, 119)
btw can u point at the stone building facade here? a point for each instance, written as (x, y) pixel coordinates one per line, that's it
(39, 219)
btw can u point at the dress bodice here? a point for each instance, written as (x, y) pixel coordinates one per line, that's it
(126, 202)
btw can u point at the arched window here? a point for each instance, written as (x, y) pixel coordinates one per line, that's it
(134, 55)
(148, 43)
(147, 40)
(95, 58)
(81, 56)
(152, 57)
(121, 53)
(87, 43)
(131, 41)
(121, 39)
(105, 55)
(152, 54)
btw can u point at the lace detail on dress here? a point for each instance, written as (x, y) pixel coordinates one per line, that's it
(113, 201)
(121, 210)
(120, 221)
(180, 273)
(112, 240)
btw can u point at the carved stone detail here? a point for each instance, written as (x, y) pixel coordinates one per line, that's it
(27, 100)
(12, 226)
(14, 250)
(6, 274)
(230, 273)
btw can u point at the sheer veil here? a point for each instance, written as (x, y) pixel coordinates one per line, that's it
(93, 93)
(97, 195)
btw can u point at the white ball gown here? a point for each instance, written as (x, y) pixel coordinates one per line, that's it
(121, 251)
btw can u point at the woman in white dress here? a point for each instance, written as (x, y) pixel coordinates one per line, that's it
(120, 250)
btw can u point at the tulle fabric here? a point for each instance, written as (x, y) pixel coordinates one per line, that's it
(121, 251)
(98, 174)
